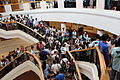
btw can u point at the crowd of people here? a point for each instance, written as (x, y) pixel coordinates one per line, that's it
(52, 53)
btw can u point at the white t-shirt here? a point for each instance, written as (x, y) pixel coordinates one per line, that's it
(52, 52)
(53, 56)
(55, 68)
(67, 46)
(50, 39)
(64, 59)
(63, 50)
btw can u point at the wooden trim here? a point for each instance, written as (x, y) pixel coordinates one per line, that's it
(25, 2)
(77, 68)
(21, 3)
(81, 50)
(8, 22)
(40, 65)
(104, 72)
(30, 29)
(11, 61)
(22, 25)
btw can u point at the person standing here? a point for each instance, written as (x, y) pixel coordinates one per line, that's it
(116, 62)
(104, 48)
(33, 4)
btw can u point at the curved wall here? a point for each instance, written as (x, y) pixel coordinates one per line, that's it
(103, 19)
(29, 75)
(17, 34)
(88, 69)
(21, 69)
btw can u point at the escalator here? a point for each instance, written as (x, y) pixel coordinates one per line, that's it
(13, 26)
(91, 63)
(21, 60)
(17, 60)
(92, 56)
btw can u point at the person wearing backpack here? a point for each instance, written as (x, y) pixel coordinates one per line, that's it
(64, 67)
(115, 72)
(72, 67)
(55, 67)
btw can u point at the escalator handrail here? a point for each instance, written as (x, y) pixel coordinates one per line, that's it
(77, 68)
(104, 74)
(22, 25)
(82, 50)
(38, 61)
(11, 61)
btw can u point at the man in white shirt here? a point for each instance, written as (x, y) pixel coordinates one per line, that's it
(55, 67)
(63, 49)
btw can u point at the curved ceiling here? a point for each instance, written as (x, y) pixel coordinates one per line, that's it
(102, 19)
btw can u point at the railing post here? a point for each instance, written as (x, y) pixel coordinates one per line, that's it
(79, 3)
(43, 5)
(100, 4)
(60, 3)
(26, 6)
(8, 8)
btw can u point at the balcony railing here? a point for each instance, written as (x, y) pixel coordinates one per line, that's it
(25, 56)
(19, 26)
(46, 4)
(92, 55)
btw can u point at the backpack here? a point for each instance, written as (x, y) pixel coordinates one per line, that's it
(72, 67)
(63, 64)
(56, 59)
(63, 67)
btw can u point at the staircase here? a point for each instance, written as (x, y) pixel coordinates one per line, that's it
(11, 44)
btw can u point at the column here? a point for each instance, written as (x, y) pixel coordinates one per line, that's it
(8, 8)
(79, 3)
(43, 5)
(26, 6)
(100, 32)
(100, 4)
(63, 27)
(60, 3)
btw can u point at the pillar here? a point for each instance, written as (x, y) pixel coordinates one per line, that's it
(100, 4)
(8, 8)
(79, 3)
(43, 5)
(100, 32)
(60, 3)
(63, 25)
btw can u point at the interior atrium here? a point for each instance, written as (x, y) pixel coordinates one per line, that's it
(59, 40)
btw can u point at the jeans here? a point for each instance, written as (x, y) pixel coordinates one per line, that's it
(114, 74)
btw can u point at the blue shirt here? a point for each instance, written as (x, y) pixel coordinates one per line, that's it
(60, 76)
(67, 33)
(43, 55)
(94, 43)
(33, 52)
(104, 50)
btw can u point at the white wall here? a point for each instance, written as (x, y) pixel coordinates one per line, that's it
(88, 69)
(22, 68)
(103, 19)
(17, 34)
